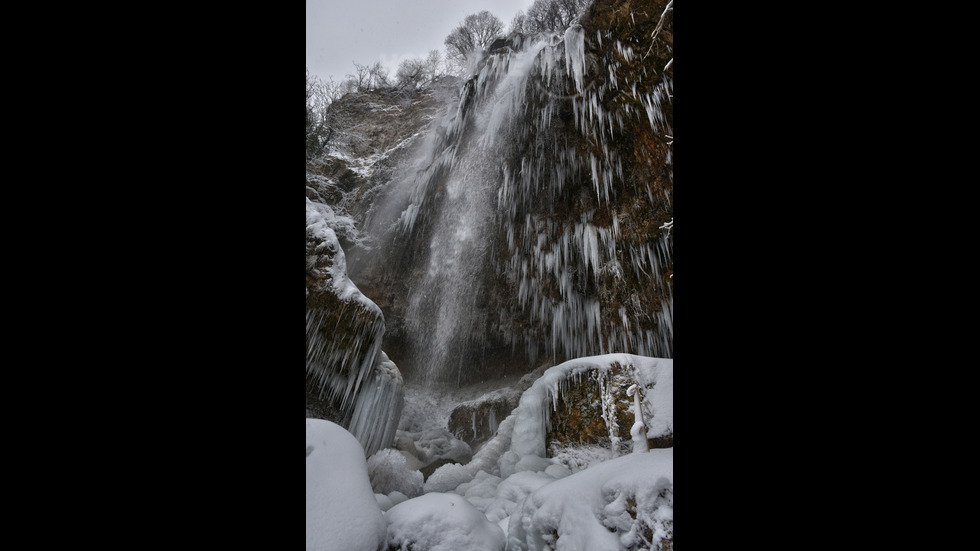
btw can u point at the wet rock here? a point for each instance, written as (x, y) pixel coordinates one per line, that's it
(476, 422)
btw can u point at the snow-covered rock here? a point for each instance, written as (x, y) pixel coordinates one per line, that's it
(342, 513)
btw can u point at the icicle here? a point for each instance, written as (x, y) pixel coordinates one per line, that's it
(575, 55)
(379, 406)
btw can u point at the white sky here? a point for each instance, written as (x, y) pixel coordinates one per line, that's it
(340, 32)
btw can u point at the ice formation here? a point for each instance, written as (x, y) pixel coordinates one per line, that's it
(379, 407)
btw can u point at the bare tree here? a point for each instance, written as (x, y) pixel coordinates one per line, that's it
(319, 95)
(476, 31)
(367, 77)
(519, 23)
(378, 76)
(360, 77)
(410, 74)
(416, 73)
(549, 16)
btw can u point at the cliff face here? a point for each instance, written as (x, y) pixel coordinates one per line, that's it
(588, 188)
(369, 135)
(523, 215)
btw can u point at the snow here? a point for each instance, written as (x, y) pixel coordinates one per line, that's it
(442, 522)
(592, 509)
(447, 477)
(510, 497)
(341, 510)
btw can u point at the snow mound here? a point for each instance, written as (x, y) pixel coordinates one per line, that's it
(624, 503)
(442, 522)
(447, 477)
(389, 472)
(342, 512)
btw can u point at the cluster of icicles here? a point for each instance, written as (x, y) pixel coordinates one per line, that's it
(544, 251)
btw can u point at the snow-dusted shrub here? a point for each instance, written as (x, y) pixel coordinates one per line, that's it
(388, 473)
(447, 477)
(441, 522)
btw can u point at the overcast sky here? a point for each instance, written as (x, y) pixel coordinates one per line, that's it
(340, 32)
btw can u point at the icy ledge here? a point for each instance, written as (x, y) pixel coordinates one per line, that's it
(520, 444)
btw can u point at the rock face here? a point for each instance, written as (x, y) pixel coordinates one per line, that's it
(370, 133)
(477, 421)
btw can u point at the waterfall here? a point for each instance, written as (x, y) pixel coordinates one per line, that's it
(526, 222)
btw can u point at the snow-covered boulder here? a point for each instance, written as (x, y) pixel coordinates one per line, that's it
(625, 503)
(441, 522)
(342, 513)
